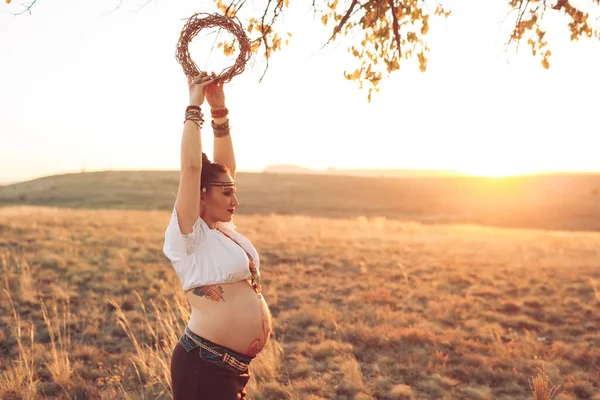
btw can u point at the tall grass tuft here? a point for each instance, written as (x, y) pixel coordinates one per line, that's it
(542, 388)
(59, 364)
(20, 377)
(154, 341)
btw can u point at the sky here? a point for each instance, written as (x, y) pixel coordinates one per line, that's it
(84, 85)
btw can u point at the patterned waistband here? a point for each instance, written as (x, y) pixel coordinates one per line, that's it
(233, 359)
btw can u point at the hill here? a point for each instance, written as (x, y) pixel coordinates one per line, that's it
(561, 202)
(296, 169)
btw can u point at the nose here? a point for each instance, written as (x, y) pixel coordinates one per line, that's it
(235, 201)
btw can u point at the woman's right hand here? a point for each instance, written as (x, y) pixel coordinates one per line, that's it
(197, 87)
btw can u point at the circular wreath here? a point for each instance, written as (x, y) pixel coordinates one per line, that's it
(200, 21)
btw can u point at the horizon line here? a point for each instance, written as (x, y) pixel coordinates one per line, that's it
(300, 170)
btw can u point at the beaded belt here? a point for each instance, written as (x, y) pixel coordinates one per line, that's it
(225, 357)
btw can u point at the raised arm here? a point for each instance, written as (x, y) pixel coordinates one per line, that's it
(187, 203)
(223, 145)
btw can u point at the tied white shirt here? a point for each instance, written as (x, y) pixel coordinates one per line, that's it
(206, 256)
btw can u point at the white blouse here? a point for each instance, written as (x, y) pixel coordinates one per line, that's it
(206, 256)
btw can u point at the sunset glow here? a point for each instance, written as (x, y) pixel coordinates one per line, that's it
(463, 114)
(498, 171)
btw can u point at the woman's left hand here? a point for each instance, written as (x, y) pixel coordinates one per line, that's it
(214, 94)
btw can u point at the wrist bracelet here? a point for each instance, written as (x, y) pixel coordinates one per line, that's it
(194, 112)
(197, 122)
(220, 130)
(224, 125)
(219, 113)
(195, 115)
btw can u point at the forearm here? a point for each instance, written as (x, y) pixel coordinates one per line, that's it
(223, 149)
(191, 146)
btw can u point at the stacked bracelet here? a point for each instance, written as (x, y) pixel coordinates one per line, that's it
(194, 113)
(220, 113)
(221, 130)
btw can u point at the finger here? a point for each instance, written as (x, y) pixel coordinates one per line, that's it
(194, 79)
(219, 81)
(201, 79)
(206, 83)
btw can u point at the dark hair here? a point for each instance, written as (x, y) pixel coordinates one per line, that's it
(210, 171)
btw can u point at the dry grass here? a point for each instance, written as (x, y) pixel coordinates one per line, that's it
(364, 308)
(542, 388)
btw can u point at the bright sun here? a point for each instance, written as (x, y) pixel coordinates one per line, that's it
(497, 171)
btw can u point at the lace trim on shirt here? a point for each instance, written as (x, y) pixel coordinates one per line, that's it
(190, 240)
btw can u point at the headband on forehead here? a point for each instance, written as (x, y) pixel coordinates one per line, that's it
(217, 183)
(221, 184)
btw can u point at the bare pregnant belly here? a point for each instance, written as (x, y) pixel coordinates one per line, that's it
(231, 315)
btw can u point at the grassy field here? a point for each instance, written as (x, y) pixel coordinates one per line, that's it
(364, 307)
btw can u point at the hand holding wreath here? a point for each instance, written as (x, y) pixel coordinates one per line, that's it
(198, 86)
(214, 93)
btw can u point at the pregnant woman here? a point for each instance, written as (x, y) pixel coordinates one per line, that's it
(218, 267)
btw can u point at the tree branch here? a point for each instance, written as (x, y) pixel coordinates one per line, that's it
(396, 27)
(343, 21)
(519, 19)
(264, 39)
(28, 9)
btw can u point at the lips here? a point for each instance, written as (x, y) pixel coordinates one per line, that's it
(231, 211)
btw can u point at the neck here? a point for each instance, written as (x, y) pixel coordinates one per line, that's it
(211, 224)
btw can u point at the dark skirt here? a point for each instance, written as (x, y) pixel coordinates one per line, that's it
(196, 373)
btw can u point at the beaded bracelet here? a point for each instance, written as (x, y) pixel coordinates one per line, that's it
(197, 122)
(224, 125)
(195, 116)
(220, 113)
(194, 113)
(220, 130)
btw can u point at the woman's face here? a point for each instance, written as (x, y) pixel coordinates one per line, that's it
(219, 202)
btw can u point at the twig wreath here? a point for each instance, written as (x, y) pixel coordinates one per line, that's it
(200, 21)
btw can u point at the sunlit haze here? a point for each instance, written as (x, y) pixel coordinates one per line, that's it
(85, 87)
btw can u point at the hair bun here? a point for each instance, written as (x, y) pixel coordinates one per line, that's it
(205, 160)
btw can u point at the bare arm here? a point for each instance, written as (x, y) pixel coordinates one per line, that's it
(223, 150)
(187, 203)
(223, 146)
(188, 194)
